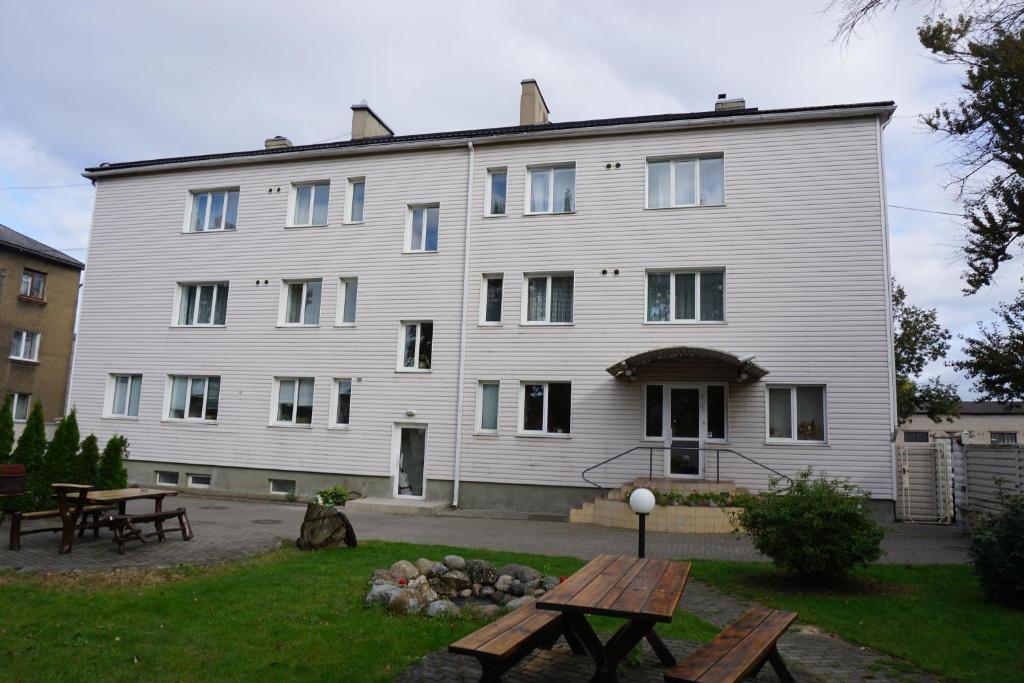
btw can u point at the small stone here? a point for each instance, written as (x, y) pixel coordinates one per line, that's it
(382, 594)
(407, 602)
(383, 576)
(438, 569)
(481, 571)
(423, 565)
(503, 583)
(488, 611)
(498, 596)
(549, 583)
(519, 602)
(450, 583)
(466, 592)
(442, 608)
(539, 592)
(476, 588)
(404, 569)
(530, 586)
(516, 588)
(520, 571)
(486, 591)
(454, 562)
(505, 600)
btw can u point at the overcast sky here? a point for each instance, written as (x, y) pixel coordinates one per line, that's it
(87, 82)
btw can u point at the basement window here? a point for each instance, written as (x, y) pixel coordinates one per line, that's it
(199, 481)
(283, 487)
(168, 479)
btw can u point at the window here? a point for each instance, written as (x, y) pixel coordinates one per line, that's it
(300, 303)
(715, 411)
(202, 304)
(309, 203)
(25, 345)
(348, 288)
(421, 235)
(214, 210)
(1003, 438)
(674, 296)
(342, 402)
(915, 437)
(546, 407)
(685, 182)
(125, 394)
(284, 487)
(294, 400)
(19, 406)
(492, 292)
(168, 479)
(32, 284)
(548, 299)
(487, 400)
(194, 398)
(417, 343)
(199, 481)
(551, 189)
(354, 202)
(797, 413)
(497, 187)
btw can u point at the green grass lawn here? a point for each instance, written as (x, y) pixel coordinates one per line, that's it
(933, 616)
(284, 616)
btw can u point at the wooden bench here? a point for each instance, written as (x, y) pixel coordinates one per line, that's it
(739, 651)
(18, 517)
(502, 643)
(125, 529)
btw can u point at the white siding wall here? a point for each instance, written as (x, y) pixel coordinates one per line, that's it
(801, 238)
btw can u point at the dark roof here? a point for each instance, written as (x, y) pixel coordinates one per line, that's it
(625, 368)
(15, 241)
(991, 408)
(485, 132)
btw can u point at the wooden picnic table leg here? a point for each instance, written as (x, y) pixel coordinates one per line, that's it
(658, 645)
(582, 629)
(619, 646)
(781, 670)
(158, 504)
(69, 515)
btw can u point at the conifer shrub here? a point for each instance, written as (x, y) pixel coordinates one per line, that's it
(111, 473)
(29, 452)
(6, 429)
(89, 460)
(61, 462)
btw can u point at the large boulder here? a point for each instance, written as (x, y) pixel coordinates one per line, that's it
(404, 569)
(383, 576)
(519, 602)
(520, 572)
(454, 562)
(442, 608)
(503, 583)
(450, 583)
(382, 594)
(482, 572)
(549, 583)
(438, 569)
(424, 565)
(407, 602)
(325, 527)
(516, 588)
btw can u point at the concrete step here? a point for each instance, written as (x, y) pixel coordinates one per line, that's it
(398, 506)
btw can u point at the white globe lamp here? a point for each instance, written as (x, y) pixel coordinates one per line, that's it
(642, 502)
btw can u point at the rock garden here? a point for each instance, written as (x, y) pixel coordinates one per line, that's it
(454, 584)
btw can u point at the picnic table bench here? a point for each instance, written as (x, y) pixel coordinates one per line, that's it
(125, 529)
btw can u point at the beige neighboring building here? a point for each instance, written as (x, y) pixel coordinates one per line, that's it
(986, 422)
(38, 300)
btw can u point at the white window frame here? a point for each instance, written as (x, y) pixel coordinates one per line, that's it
(333, 417)
(276, 492)
(166, 417)
(488, 189)
(525, 298)
(108, 401)
(282, 312)
(275, 406)
(193, 484)
(349, 199)
(157, 475)
(540, 168)
(339, 316)
(696, 320)
(483, 300)
(672, 180)
(193, 197)
(543, 432)
(17, 398)
(794, 421)
(293, 203)
(34, 358)
(32, 274)
(401, 346)
(478, 429)
(666, 387)
(408, 247)
(179, 301)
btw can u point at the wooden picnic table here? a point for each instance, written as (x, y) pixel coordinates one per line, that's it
(642, 591)
(71, 498)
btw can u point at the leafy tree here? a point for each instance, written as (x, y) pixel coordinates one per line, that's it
(29, 452)
(6, 429)
(61, 461)
(919, 339)
(111, 473)
(89, 460)
(995, 358)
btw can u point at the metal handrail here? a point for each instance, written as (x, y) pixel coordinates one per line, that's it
(650, 462)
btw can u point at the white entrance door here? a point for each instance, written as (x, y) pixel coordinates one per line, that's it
(412, 472)
(686, 418)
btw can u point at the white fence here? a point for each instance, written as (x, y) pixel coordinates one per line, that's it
(989, 470)
(924, 493)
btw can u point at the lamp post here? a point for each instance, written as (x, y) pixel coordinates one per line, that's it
(642, 502)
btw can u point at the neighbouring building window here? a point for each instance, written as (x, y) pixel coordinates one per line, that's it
(25, 345)
(356, 196)
(125, 395)
(309, 203)
(797, 413)
(1003, 438)
(214, 210)
(547, 407)
(492, 294)
(194, 398)
(497, 187)
(488, 401)
(417, 343)
(202, 304)
(915, 437)
(164, 478)
(19, 406)
(32, 284)
(294, 400)
(551, 189)
(421, 235)
(675, 296)
(348, 288)
(342, 401)
(549, 298)
(301, 302)
(284, 487)
(685, 182)
(199, 481)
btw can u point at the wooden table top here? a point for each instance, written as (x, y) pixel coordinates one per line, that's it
(115, 495)
(618, 586)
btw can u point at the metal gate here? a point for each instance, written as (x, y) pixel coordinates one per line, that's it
(924, 493)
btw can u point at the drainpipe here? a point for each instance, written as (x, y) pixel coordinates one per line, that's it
(890, 353)
(462, 325)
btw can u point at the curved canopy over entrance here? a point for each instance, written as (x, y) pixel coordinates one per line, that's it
(746, 369)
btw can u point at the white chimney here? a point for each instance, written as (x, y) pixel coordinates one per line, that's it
(277, 141)
(532, 107)
(724, 103)
(366, 124)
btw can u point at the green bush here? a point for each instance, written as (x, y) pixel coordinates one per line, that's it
(997, 552)
(111, 473)
(29, 452)
(89, 460)
(715, 499)
(336, 495)
(61, 460)
(819, 529)
(6, 429)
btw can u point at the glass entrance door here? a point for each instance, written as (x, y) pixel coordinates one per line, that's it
(411, 455)
(683, 438)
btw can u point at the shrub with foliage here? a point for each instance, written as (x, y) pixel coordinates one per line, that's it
(89, 460)
(111, 473)
(997, 552)
(61, 460)
(715, 499)
(29, 452)
(819, 529)
(6, 429)
(336, 495)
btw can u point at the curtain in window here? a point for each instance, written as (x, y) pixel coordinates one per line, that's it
(686, 304)
(220, 313)
(134, 395)
(304, 404)
(302, 197)
(658, 296)
(489, 406)
(498, 184)
(430, 244)
(780, 416)
(311, 313)
(204, 314)
(294, 313)
(358, 190)
(186, 314)
(712, 295)
(320, 197)
(199, 212)
(195, 397)
(351, 289)
(712, 181)
(179, 387)
(426, 344)
(686, 182)
(16, 343)
(416, 238)
(540, 188)
(121, 395)
(285, 400)
(344, 400)
(810, 414)
(658, 188)
(494, 289)
(565, 190)
(232, 214)
(561, 299)
(212, 398)
(409, 356)
(216, 211)
(536, 298)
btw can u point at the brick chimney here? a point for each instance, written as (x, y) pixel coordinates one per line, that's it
(532, 107)
(366, 124)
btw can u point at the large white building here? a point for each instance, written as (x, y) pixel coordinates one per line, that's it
(480, 316)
